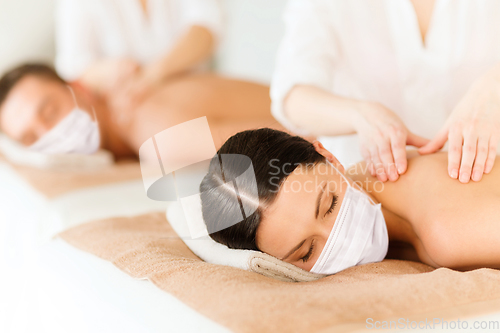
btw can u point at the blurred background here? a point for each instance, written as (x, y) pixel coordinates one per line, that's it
(27, 34)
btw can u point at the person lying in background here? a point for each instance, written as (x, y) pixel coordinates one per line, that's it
(130, 48)
(42, 111)
(308, 211)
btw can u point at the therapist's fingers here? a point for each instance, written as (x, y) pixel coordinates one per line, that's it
(481, 156)
(435, 144)
(415, 140)
(387, 159)
(454, 152)
(468, 155)
(492, 154)
(398, 146)
(378, 165)
(368, 159)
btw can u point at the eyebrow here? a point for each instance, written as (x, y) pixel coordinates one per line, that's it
(293, 250)
(318, 201)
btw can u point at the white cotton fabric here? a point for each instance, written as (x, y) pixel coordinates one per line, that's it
(88, 30)
(17, 153)
(372, 50)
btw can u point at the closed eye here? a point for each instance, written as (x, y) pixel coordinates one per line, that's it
(332, 205)
(309, 253)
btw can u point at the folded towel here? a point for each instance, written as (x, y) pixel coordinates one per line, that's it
(54, 182)
(147, 247)
(211, 251)
(18, 154)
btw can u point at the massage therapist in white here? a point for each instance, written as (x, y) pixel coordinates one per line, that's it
(130, 47)
(395, 72)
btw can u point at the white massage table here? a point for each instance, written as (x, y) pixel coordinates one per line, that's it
(47, 285)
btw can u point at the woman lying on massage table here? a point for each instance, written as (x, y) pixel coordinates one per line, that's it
(308, 215)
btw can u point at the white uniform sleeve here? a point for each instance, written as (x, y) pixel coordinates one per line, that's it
(306, 55)
(205, 13)
(76, 41)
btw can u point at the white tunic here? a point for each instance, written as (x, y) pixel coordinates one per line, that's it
(373, 50)
(88, 30)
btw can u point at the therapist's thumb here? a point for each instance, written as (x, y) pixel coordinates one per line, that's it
(415, 140)
(434, 145)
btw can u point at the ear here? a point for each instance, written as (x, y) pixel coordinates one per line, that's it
(329, 156)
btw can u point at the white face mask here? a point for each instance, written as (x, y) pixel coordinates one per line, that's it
(359, 235)
(74, 134)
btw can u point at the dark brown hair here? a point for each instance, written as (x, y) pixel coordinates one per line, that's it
(274, 155)
(12, 77)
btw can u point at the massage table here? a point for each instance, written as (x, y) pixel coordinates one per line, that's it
(59, 284)
(47, 285)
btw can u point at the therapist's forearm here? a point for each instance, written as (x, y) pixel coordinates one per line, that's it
(322, 113)
(191, 49)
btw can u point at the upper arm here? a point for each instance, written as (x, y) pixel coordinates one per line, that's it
(204, 13)
(76, 40)
(306, 55)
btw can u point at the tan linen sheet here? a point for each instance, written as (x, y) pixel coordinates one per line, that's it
(147, 247)
(53, 183)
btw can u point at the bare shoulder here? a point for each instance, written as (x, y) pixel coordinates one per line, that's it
(456, 223)
(425, 184)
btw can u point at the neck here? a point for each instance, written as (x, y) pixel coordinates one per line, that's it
(398, 228)
(110, 137)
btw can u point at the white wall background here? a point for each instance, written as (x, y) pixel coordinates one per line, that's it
(253, 31)
(26, 32)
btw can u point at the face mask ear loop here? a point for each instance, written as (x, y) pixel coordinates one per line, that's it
(95, 115)
(76, 103)
(343, 176)
(354, 184)
(73, 94)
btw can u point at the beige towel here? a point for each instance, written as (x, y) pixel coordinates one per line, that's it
(244, 301)
(270, 266)
(53, 183)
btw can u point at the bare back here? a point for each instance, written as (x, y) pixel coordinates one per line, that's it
(441, 209)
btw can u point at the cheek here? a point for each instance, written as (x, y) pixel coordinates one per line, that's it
(65, 104)
(62, 107)
(276, 235)
(273, 237)
(61, 113)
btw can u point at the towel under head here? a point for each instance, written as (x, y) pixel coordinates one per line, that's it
(212, 252)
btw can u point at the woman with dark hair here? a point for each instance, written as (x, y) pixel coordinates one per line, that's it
(312, 213)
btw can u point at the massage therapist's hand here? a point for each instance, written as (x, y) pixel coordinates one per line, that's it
(132, 92)
(473, 131)
(383, 139)
(127, 97)
(120, 70)
(107, 74)
(122, 103)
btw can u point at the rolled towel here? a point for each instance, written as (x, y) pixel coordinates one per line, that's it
(16, 153)
(212, 252)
